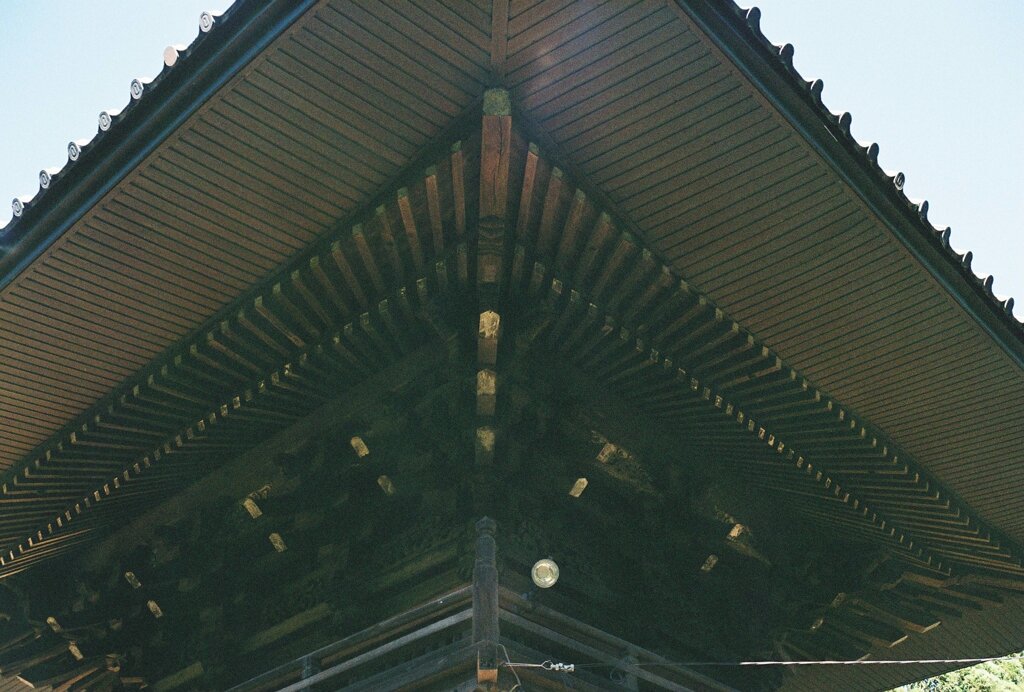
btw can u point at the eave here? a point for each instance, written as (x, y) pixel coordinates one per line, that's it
(950, 508)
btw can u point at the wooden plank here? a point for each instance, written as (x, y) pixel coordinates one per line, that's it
(353, 283)
(368, 260)
(625, 247)
(459, 189)
(412, 236)
(387, 238)
(526, 196)
(548, 217)
(261, 306)
(434, 210)
(316, 268)
(499, 38)
(898, 613)
(287, 627)
(364, 640)
(299, 283)
(393, 645)
(596, 241)
(571, 232)
(182, 677)
(279, 292)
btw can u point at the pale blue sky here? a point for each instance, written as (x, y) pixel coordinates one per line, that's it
(937, 83)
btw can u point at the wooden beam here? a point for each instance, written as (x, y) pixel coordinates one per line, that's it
(287, 627)
(486, 633)
(495, 158)
(180, 678)
(499, 38)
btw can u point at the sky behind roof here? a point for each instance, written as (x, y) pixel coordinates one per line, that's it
(937, 83)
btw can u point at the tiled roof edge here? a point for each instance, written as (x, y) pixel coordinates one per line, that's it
(123, 138)
(746, 22)
(80, 151)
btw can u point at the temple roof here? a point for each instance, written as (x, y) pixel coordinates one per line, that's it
(299, 205)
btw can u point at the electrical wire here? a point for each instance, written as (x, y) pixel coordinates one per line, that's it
(571, 667)
(508, 661)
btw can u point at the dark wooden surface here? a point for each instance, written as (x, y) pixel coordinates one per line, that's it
(732, 511)
(685, 295)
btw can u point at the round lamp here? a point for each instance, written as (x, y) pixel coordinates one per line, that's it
(544, 573)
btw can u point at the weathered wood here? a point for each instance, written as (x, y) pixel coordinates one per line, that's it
(488, 333)
(349, 276)
(180, 678)
(549, 214)
(413, 620)
(499, 38)
(434, 210)
(486, 441)
(287, 627)
(16, 666)
(384, 649)
(301, 286)
(486, 633)
(486, 392)
(448, 660)
(615, 661)
(601, 234)
(412, 236)
(898, 613)
(526, 196)
(496, 154)
(459, 189)
(366, 255)
(387, 238)
(340, 304)
(495, 158)
(571, 232)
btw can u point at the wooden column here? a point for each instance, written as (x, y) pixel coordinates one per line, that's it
(485, 603)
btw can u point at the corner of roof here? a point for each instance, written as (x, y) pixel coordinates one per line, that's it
(748, 22)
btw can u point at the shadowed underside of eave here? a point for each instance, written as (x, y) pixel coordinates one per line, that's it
(659, 334)
(573, 283)
(702, 180)
(643, 106)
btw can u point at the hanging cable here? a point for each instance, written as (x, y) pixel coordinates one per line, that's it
(508, 663)
(571, 667)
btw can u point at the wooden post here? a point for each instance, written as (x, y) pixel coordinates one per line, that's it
(485, 603)
(491, 270)
(495, 158)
